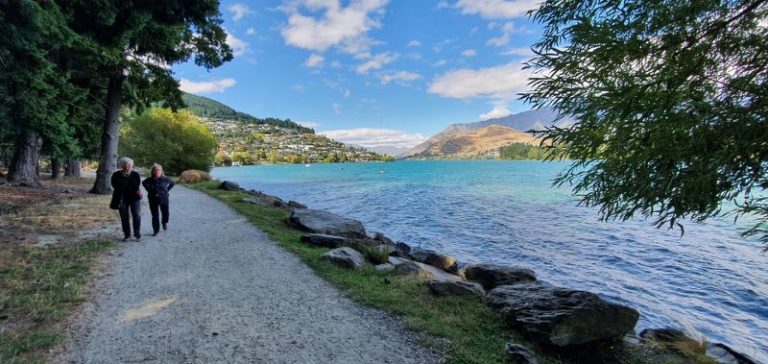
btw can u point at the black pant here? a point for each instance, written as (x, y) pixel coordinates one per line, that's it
(153, 205)
(135, 208)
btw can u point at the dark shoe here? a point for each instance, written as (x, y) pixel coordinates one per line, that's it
(165, 226)
(138, 236)
(126, 238)
(155, 233)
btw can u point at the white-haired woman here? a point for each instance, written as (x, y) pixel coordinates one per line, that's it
(127, 196)
(158, 187)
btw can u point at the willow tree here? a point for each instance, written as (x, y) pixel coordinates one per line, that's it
(670, 102)
(139, 41)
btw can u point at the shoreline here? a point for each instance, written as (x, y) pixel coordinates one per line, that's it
(278, 203)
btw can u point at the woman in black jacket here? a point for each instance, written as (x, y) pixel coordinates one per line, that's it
(158, 186)
(127, 196)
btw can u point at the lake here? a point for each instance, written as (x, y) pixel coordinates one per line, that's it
(710, 282)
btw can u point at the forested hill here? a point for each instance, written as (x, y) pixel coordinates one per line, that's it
(205, 107)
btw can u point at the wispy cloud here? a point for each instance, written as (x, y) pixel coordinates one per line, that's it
(206, 86)
(507, 30)
(498, 111)
(497, 83)
(336, 108)
(401, 77)
(497, 9)
(239, 11)
(469, 53)
(314, 61)
(414, 44)
(376, 62)
(250, 31)
(523, 52)
(368, 137)
(239, 46)
(343, 26)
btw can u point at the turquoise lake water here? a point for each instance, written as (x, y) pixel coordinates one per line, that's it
(710, 281)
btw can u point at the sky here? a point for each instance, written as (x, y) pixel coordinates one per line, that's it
(372, 72)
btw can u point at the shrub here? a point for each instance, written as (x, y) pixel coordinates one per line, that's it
(177, 140)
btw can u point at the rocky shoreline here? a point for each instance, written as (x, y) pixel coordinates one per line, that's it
(555, 318)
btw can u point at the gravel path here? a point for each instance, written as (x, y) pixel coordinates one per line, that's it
(214, 289)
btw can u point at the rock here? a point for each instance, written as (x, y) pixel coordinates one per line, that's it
(229, 186)
(722, 354)
(455, 288)
(261, 199)
(324, 222)
(518, 354)
(194, 176)
(296, 205)
(436, 259)
(402, 250)
(560, 316)
(383, 239)
(422, 271)
(345, 257)
(492, 275)
(386, 267)
(326, 241)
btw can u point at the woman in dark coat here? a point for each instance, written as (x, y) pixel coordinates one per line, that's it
(158, 186)
(127, 196)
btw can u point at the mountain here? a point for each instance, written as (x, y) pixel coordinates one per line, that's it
(245, 139)
(484, 138)
(484, 142)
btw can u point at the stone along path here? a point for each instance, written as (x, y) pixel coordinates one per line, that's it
(214, 289)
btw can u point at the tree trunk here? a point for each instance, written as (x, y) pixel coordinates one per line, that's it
(72, 168)
(23, 169)
(109, 135)
(55, 168)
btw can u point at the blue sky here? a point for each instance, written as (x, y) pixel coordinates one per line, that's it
(372, 72)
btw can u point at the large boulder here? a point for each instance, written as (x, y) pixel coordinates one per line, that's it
(560, 316)
(323, 240)
(435, 259)
(421, 271)
(455, 288)
(229, 186)
(324, 222)
(492, 275)
(345, 257)
(722, 354)
(194, 176)
(296, 205)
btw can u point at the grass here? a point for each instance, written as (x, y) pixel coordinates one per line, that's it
(463, 328)
(39, 288)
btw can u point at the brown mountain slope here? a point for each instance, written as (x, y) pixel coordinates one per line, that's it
(483, 142)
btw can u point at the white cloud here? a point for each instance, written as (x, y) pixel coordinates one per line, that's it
(497, 9)
(469, 53)
(507, 30)
(376, 62)
(525, 52)
(443, 4)
(401, 77)
(336, 107)
(414, 44)
(336, 64)
(499, 83)
(314, 60)
(338, 26)
(497, 112)
(298, 88)
(440, 63)
(206, 86)
(239, 11)
(239, 46)
(250, 31)
(368, 137)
